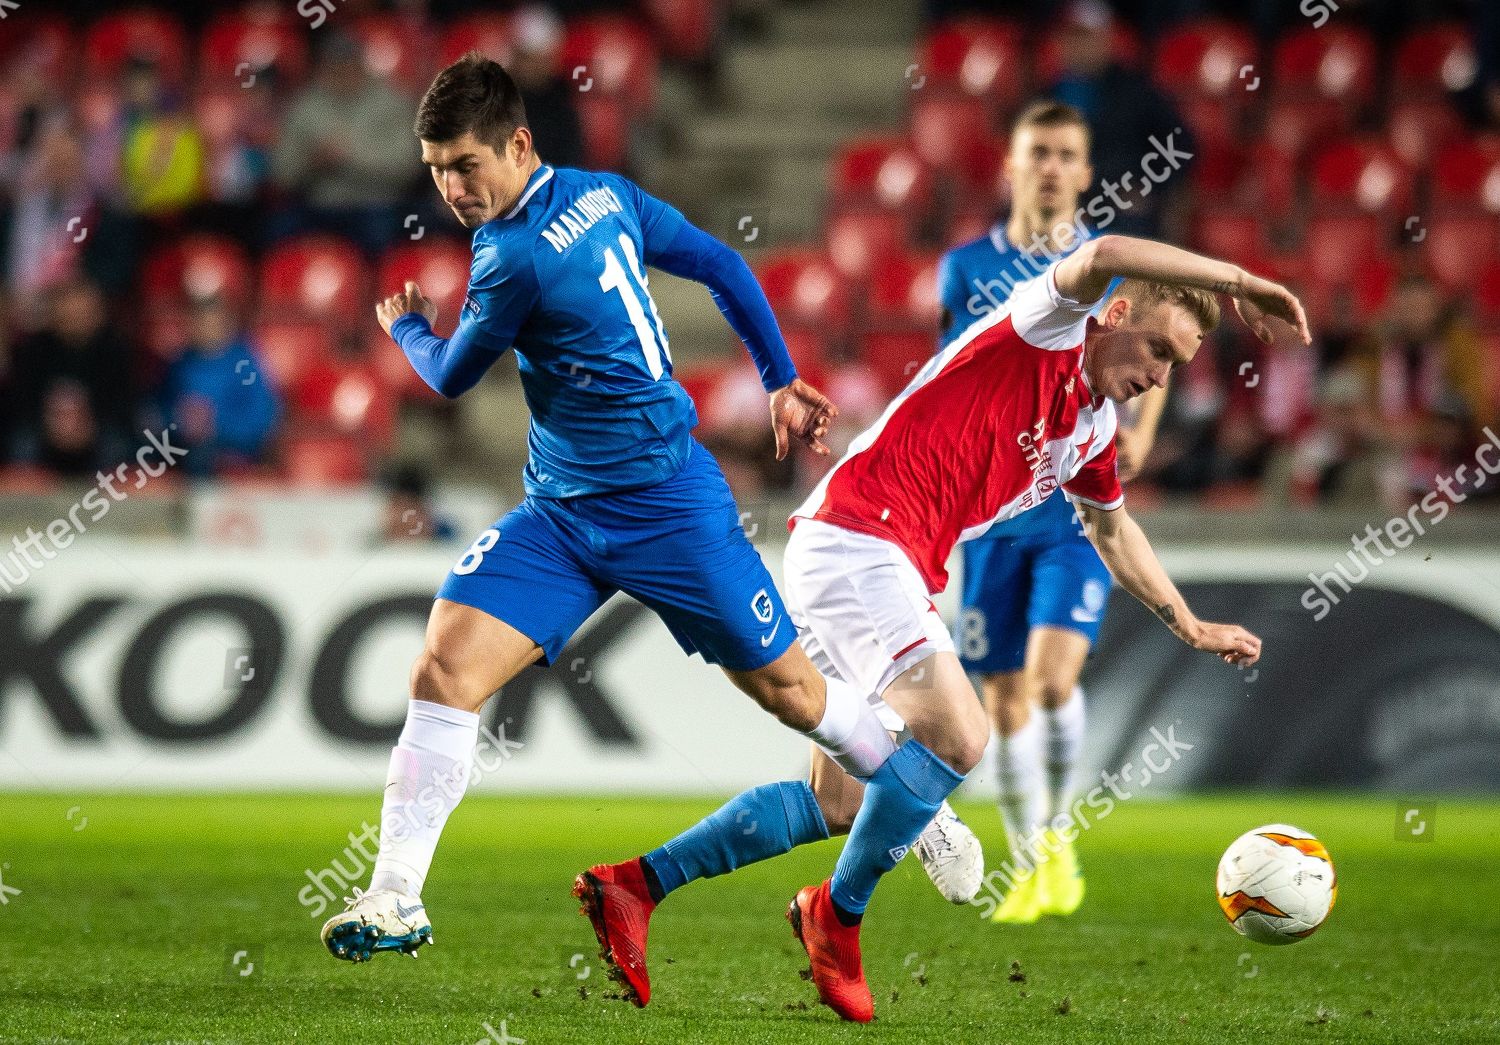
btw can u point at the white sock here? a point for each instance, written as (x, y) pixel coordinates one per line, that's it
(850, 732)
(1018, 772)
(1064, 728)
(428, 774)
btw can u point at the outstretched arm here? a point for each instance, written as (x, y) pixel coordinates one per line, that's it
(1129, 556)
(1085, 275)
(797, 409)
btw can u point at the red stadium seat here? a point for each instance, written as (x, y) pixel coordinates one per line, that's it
(809, 352)
(348, 397)
(1457, 246)
(324, 460)
(314, 277)
(700, 382)
(1436, 61)
(1125, 48)
(439, 266)
(860, 240)
(1237, 235)
(605, 122)
(895, 355)
(489, 34)
(1204, 57)
(1293, 126)
(685, 28)
(1362, 173)
(42, 43)
(1214, 122)
(885, 171)
(1487, 296)
(1270, 177)
(140, 33)
(1467, 174)
(904, 291)
(805, 288)
(945, 128)
(1336, 244)
(1419, 129)
(197, 266)
(257, 37)
(1334, 61)
(969, 222)
(289, 351)
(395, 48)
(613, 56)
(983, 57)
(395, 370)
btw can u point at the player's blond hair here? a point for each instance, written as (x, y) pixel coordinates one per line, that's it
(1202, 305)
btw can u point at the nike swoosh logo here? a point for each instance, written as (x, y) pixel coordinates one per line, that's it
(407, 912)
(766, 639)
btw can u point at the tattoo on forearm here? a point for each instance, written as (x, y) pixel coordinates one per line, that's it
(1167, 614)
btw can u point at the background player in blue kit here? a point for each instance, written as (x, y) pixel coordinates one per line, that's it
(619, 495)
(1034, 588)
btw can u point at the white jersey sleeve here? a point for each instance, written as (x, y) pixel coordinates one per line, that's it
(1043, 317)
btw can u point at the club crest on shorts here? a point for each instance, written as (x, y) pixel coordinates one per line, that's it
(763, 607)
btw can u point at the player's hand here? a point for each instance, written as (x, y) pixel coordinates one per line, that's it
(1260, 301)
(799, 410)
(1229, 642)
(398, 305)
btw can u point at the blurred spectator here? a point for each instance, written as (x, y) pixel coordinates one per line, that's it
(161, 151)
(1128, 115)
(538, 37)
(217, 395)
(409, 515)
(53, 205)
(74, 406)
(346, 151)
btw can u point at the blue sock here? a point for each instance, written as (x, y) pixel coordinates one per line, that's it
(900, 800)
(763, 822)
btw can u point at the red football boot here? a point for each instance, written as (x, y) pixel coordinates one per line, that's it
(834, 950)
(616, 899)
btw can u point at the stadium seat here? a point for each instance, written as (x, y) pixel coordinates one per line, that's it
(256, 37)
(700, 382)
(983, 57)
(883, 170)
(348, 397)
(395, 370)
(862, 239)
(612, 55)
(1487, 296)
(1293, 126)
(895, 355)
(314, 277)
(1418, 129)
(1203, 57)
(970, 221)
(43, 43)
(1467, 174)
(605, 122)
(809, 351)
(1271, 178)
(945, 128)
(1362, 173)
(685, 28)
(1435, 61)
(1335, 245)
(439, 266)
(198, 265)
(395, 48)
(904, 291)
(289, 351)
(1214, 122)
(488, 33)
(323, 460)
(1237, 234)
(805, 288)
(1335, 62)
(115, 39)
(1456, 245)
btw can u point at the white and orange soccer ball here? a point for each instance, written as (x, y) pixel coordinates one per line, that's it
(1276, 884)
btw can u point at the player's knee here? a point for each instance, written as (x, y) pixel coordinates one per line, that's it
(1054, 693)
(795, 704)
(961, 745)
(439, 681)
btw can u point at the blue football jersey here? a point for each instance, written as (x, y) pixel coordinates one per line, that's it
(561, 279)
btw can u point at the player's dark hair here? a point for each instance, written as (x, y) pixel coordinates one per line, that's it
(1047, 113)
(474, 94)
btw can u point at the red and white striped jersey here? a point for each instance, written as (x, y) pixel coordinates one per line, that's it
(989, 428)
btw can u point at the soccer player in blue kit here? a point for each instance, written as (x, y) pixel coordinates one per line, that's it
(1034, 588)
(619, 495)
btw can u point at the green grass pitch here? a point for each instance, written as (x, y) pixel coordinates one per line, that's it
(122, 918)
